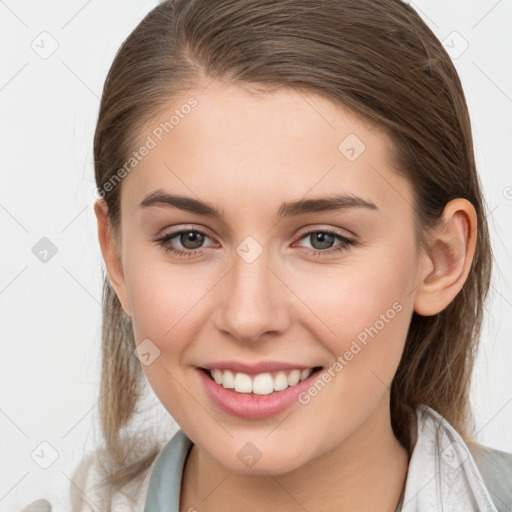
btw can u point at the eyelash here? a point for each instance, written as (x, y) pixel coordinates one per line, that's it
(345, 243)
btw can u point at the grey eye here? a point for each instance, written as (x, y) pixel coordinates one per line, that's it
(191, 239)
(321, 240)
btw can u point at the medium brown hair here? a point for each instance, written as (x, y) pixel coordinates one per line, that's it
(376, 57)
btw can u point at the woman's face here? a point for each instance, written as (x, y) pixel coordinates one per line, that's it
(310, 263)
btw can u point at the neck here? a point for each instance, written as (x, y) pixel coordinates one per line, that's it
(367, 471)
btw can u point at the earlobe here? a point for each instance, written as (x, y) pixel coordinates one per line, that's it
(449, 256)
(111, 253)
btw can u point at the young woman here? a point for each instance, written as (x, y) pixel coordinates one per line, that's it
(298, 256)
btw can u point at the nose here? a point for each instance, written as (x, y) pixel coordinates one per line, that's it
(253, 300)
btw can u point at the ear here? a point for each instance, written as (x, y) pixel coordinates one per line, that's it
(451, 247)
(111, 253)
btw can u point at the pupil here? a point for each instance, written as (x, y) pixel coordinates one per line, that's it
(194, 239)
(325, 240)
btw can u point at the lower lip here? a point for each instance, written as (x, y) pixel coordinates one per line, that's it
(252, 406)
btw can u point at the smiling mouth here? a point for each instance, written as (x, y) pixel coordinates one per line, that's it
(262, 383)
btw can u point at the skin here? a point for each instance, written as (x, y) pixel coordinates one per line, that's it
(247, 154)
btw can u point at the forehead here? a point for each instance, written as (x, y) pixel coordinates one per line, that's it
(234, 145)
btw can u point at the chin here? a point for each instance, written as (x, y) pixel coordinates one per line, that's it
(269, 459)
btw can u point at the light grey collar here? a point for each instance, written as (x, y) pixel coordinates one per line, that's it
(442, 473)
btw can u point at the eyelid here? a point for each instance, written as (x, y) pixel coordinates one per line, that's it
(330, 229)
(184, 228)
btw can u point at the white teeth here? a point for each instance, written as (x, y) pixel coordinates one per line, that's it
(217, 375)
(261, 384)
(280, 382)
(227, 380)
(305, 373)
(243, 383)
(294, 377)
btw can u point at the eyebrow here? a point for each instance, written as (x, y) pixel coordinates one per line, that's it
(289, 209)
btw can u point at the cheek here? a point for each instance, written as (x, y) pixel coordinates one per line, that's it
(165, 301)
(162, 294)
(363, 310)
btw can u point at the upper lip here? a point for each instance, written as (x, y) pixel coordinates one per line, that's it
(255, 368)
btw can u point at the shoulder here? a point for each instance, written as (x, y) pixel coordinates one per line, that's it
(495, 466)
(483, 469)
(91, 492)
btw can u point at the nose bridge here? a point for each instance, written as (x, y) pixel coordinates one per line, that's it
(253, 304)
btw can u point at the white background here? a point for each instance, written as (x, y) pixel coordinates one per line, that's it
(50, 312)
